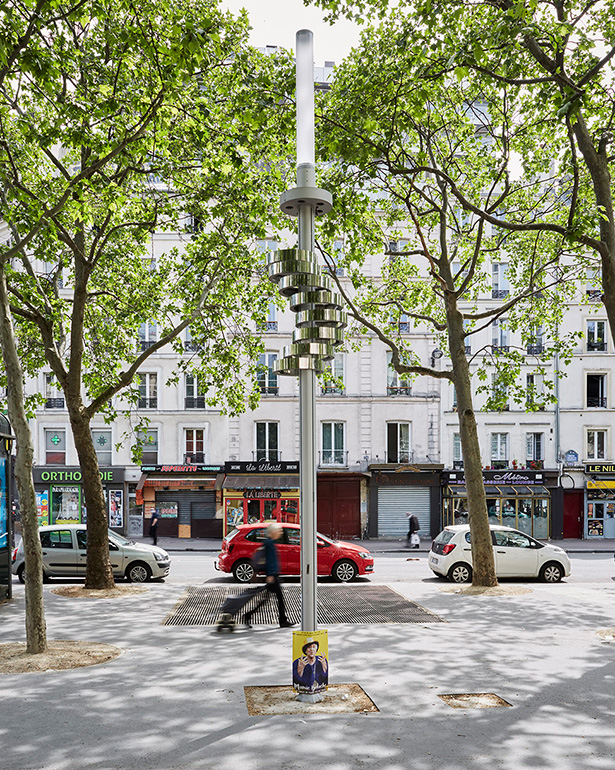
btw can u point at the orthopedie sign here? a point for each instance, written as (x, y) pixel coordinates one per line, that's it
(261, 466)
(72, 475)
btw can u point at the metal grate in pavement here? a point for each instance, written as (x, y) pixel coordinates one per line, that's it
(200, 606)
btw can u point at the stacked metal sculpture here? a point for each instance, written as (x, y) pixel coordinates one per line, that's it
(320, 319)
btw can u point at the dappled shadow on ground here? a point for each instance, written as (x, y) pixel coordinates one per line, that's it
(175, 698)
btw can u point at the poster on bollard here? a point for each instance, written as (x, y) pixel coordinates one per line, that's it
(310, 661)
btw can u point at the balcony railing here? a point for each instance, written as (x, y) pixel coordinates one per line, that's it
(147, 403)
(536, 349)
(594, 295)
(330, 457)
(458, 464)
(499, 464)
(332, 390)
(270, 455)
(499, 348)
(195, 458)
(597, 346)
(403, 456)
(269, 390)
(535, 465)
(54, 403)
(596, 401)
(146, 344)
(468, 349)
(499, 293)
(192, 347)
(399, 390)
(195, 402)
(404, 327)
(268, 326)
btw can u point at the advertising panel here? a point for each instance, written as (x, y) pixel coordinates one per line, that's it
(66, 504)
(116, 508)
(42, 507)
(310, 661)
(4, 503)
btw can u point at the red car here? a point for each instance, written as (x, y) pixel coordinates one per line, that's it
(344, 561)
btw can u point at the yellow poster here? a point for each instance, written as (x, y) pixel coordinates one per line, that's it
(310, 661)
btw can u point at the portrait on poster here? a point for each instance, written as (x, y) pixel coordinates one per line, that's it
(116, 508)
(310, 661)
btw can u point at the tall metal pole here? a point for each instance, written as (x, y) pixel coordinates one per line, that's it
(307, 378)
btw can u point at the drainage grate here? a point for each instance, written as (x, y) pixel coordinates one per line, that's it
(200, 606)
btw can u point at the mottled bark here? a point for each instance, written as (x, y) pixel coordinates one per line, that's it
(36, 629)
(482, 547)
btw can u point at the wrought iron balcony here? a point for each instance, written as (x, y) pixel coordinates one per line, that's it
(499, 464)
(332, 390)
(402, 456)
(500, 348)
(596, 346)
(54, 403)
(147, 403)
(499, 293)
(195, 402)
(195, 458)
(536, 349)
(270, 455)
(268, 326)
(146, 344)
(596, 401)
(330, 457)
(269, 390)
(399, 390)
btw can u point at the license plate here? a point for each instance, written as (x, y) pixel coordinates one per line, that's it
(433, 560)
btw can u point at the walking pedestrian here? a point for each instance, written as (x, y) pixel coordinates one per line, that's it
(412, 538)
(272, 570)
(153, 527)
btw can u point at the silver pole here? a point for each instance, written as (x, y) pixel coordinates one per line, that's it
(307, 378)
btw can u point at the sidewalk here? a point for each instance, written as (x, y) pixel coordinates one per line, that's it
(384, 545)
(175, 697)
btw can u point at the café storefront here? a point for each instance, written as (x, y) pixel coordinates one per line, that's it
(260, 490)
(600, 501)
(521, 499)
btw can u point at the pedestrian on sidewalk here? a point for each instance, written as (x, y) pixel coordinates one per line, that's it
(412, 539)
(272, 570)
(153, 527)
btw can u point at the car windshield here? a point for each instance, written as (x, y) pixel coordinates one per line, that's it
(326, 539)
(119, 539)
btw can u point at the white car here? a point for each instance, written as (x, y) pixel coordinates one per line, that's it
(516, 555)
(64, 555)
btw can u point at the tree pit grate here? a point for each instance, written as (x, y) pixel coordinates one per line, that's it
(201, 605)
(474, 700)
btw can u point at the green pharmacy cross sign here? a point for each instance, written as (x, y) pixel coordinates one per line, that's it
(56, 439)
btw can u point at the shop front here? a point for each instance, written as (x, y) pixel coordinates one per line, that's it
(260, 491)
(187, 499)
(6, 539)
(518, 499)
(395, 493)
(60, 498)
(600, 501)
(342, 504)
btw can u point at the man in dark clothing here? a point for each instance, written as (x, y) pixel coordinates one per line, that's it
(153, 527)
(413, 526)
(272, 570)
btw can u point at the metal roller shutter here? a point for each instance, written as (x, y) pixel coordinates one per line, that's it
(395, 502)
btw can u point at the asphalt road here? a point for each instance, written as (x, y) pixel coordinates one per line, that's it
(197, 568)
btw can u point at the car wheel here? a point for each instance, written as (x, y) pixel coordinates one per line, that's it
(243, 571)
(21, 573)
(552, 572)
(138, 572)
(460, 573)
(344, 571)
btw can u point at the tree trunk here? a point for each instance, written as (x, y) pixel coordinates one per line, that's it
(483, 573)
(36, 629)
(98, 570)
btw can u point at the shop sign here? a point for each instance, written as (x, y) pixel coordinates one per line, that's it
(261, 466)
(262, 493)
(74, 475)
(404, 479)
(181, 469)
(167, 510)
(507, 478)
(600, 468)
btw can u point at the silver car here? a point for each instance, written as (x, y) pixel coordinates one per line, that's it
(64, 555)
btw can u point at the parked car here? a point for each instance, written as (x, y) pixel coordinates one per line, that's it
(516, 555)
(344, 561)
(64, 555)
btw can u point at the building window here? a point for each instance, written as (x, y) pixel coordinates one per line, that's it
(148, 335)
(397, 384)
(267, 441)
(195, 393)
(596, 390)
(596, 336)
(593, 288)
(54, 398)
(499, 394)
(499, 336)
(335, 369)
(337, 256)
(499, 281)
(194, 446)
(190, 346)
(403, 324)
(454, 398)
(499, 450)
(55, 446)
(398, 442)
(333, 452)
(267, 378)
(396, 249)
(534, 450)
(101, 437)
(457, 455)
(148, 390)
(534, 392)
(596, 444)
(536, 344)
(271, 324)
(149, 443)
